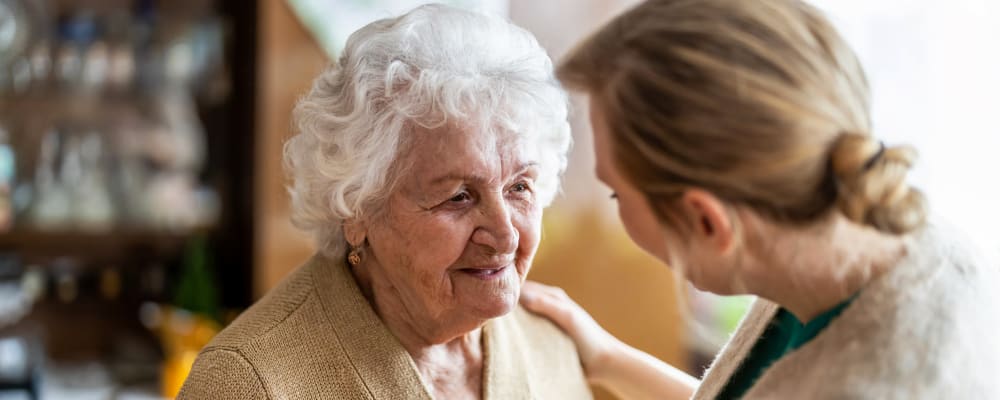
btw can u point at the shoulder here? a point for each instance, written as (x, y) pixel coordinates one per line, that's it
(945, 248)
(945, 320)
(274, 345)
(542, 332)
(940, 290)
(223, 374)
(549, 355)
(923, 330)
(270, 314)
(230, 365)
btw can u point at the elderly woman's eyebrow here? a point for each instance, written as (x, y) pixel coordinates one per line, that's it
(525, 167)
(457, 177)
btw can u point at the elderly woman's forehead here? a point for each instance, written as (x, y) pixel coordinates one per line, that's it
(464, 148)
(452, 137)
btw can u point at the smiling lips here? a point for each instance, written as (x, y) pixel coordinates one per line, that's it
(485, 273)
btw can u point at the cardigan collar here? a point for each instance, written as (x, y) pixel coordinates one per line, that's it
(380, 359)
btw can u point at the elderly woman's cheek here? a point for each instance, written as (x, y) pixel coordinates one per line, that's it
(529, 226)
(496, 294)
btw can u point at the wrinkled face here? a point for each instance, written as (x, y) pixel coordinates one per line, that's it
(461, 229)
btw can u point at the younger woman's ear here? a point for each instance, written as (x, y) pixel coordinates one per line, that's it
(708, 217)
(355, 232)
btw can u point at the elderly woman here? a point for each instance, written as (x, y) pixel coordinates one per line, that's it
(422, 164)
(737, 138)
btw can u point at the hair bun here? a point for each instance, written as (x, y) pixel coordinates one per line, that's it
(871, 184)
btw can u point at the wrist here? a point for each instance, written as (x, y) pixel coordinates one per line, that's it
(604, 363)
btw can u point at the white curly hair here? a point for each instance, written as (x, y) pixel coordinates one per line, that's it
(433, 66)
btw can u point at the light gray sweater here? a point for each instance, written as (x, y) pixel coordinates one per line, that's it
(928, 329)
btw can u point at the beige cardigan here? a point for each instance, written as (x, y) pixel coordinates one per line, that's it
(316, 337)
(929, 329)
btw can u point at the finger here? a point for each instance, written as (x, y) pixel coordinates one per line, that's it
(530, 291)
(533, 292)
(541, 288)
(555, 309)
(536, 287)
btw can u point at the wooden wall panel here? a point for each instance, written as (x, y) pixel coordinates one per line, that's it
(288, 61)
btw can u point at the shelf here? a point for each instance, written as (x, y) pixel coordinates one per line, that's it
(33, 243)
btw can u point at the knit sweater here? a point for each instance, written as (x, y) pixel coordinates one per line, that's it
(927, 329)
(316, 337)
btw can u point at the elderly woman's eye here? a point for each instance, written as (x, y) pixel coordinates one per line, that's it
(520, 187)
(461, 197)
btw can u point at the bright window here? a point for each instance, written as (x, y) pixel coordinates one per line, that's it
(934, 68)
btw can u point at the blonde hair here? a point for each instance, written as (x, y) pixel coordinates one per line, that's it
(760, 102)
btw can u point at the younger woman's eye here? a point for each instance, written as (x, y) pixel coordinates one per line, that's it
(614, 196)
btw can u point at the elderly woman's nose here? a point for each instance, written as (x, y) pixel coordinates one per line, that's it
(496, 228)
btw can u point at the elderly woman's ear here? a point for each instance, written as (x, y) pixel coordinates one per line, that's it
(355, 231)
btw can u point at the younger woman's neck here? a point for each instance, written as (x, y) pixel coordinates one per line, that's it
(810, 270)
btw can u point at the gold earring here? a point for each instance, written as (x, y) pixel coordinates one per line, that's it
(354, 257)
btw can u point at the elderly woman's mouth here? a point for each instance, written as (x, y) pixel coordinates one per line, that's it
(486, 272)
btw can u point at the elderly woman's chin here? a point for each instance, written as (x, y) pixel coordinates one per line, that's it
(488, 293)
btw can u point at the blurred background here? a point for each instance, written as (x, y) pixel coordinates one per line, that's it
(142, 201)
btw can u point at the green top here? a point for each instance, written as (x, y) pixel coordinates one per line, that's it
(782, 336)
